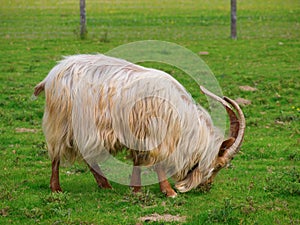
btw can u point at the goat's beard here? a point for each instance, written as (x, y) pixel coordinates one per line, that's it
(192, 180)
(195, 179)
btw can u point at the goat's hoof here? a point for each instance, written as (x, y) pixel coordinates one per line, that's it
(56, 189)
(172, 195)
(136, 189)
(106, 186)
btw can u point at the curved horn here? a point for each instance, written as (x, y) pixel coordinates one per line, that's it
(237, 125)
(241, 130)
(215, 97)
(234, 122)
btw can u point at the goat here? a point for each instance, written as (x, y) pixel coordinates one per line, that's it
(98, 105)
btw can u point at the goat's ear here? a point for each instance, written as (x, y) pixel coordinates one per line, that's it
(225, 145)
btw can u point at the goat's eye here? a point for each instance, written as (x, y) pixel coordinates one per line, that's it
(218, 167)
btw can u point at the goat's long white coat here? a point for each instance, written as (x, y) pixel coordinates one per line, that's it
(97, 104)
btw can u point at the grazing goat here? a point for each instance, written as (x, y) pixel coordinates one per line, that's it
(98, 105)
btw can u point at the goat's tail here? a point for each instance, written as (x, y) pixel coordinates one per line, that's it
(39, 88)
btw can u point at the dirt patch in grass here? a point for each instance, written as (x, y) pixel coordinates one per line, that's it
(247, 88)
(25, 130)
(243, 102)
(162, 218)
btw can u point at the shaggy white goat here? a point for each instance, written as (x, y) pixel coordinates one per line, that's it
(97, 105)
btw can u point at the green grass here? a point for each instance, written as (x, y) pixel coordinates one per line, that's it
(262, 186)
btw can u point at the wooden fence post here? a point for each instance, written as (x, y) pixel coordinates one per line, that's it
(83, 30)
(233, 19)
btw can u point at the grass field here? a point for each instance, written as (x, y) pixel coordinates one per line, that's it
(262, 186)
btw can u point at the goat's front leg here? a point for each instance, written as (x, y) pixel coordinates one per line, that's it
(99, 176)
(164, 184)
(135, 182)
(54, 181)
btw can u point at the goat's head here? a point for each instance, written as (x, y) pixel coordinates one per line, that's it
(232, 145)
(227, 148)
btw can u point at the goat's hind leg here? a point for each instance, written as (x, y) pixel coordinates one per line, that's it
(54, 181)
